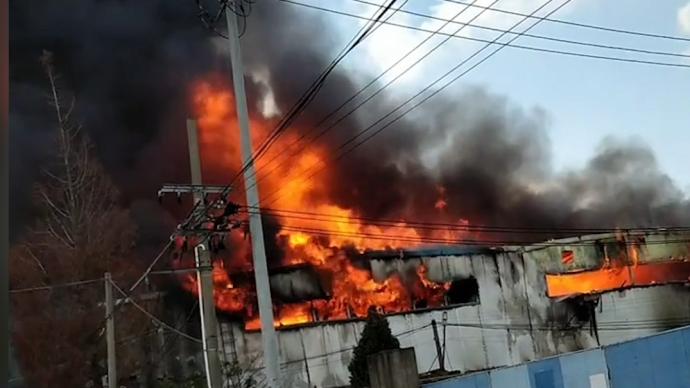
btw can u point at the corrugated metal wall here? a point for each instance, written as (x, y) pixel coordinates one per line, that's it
(659, 361)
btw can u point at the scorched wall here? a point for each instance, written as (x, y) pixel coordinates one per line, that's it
(513, 320)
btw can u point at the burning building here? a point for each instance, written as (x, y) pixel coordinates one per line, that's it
(496, 306)
(412, 246)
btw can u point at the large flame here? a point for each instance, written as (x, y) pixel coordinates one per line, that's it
(323, 242)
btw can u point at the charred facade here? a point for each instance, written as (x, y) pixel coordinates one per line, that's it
(511, 320)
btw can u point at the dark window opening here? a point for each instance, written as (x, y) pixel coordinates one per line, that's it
(420, 304)
(463, 291)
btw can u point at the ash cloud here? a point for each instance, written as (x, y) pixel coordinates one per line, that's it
(130, 64)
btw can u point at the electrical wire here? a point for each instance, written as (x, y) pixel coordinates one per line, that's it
(150, 267)
(153, 317)
(528, 35)
(435, 92)
(50, 287)
(463, 242)
(403, 223)
(576, 24)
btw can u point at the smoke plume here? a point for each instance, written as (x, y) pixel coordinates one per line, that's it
(131, 65)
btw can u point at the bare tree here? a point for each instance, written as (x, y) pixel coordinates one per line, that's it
(81, 231)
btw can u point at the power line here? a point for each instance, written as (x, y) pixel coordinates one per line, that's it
(404, 223)
(462, 241)
(576, 24)
(439, 79)
(53, 286)
(153, 317)
(150, 267)
(535, 36)
(525, 47)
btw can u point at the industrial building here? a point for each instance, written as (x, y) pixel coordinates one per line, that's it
(505, 306)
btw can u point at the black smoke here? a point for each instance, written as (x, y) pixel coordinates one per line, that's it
(131, 63)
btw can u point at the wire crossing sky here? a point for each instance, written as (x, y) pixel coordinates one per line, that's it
(588, 101)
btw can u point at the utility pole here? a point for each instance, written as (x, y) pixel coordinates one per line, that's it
(263, 290)
(439, 353)
(110, 331)
(207, 308)
(202, 257)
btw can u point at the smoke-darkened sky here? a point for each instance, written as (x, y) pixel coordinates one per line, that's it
(130, 65)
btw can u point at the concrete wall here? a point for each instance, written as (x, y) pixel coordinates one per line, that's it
(661, 360)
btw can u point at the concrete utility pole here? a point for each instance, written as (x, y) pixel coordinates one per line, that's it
(204, 268)
(110, 331)
(207, 309)
(263, 290)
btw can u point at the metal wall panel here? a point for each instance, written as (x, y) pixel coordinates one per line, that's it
(545, 374)
(515, 377)
(659, 361)
(477, 380)
(579, 368)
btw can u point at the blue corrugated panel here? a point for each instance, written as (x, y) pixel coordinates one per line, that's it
(477, 380)
(515, 377)
(545, 374)
(578, 368)
(661, 361)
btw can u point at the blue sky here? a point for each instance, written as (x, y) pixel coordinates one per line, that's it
(586, 99)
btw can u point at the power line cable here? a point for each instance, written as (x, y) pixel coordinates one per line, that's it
(405, 223)
(150, 267)
(530, 48)
(576, 24)
(53, 286)
(153, 317)
(464, 242)
(528, 35)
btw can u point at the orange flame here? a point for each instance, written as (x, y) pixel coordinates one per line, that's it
(319, 241)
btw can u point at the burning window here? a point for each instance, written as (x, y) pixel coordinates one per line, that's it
(463, 291)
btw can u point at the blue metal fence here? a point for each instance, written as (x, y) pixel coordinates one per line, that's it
(659, 361)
